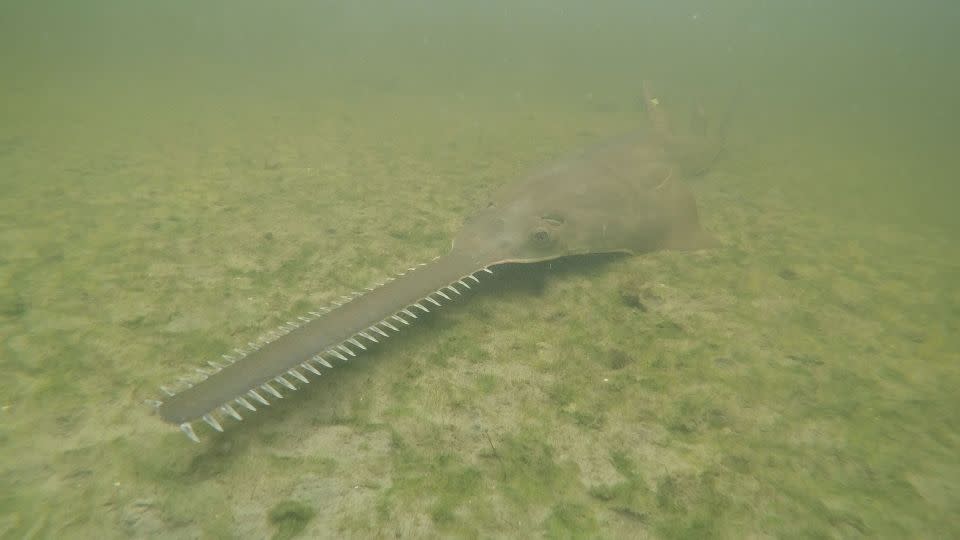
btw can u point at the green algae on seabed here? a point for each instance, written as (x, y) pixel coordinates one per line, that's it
(799, 381)
(290, 519)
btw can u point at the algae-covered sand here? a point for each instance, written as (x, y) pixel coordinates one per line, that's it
(798, 381)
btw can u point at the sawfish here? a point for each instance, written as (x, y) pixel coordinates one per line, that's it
(624, 195)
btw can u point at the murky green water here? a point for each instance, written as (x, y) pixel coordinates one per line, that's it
(177, 179)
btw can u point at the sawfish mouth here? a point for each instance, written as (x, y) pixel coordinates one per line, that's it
(251, 376)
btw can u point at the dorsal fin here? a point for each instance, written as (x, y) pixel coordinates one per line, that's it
(655, 113)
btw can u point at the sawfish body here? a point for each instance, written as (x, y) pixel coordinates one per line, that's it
(625, 195)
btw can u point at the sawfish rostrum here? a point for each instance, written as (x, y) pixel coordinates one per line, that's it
(625, 195)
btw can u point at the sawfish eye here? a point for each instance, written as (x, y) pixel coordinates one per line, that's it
(541, 235)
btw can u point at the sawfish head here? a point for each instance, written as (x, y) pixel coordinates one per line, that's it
(620, 199)
(626, 196)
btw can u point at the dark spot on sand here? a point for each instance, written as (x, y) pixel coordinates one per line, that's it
(290, 518)
(669, 328)
(805, 359)
(13, 307)
(788, 274)
(617, 359)
(632, 300)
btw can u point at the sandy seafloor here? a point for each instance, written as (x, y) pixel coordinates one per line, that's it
(799, 381)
